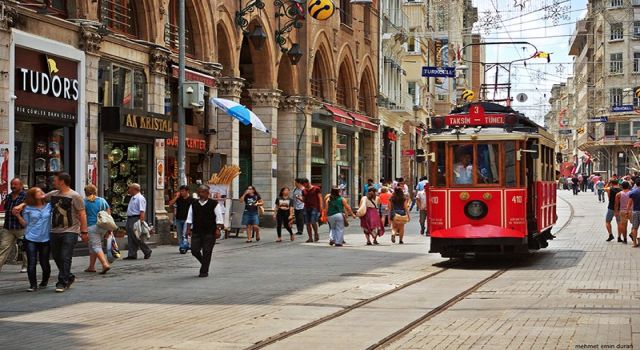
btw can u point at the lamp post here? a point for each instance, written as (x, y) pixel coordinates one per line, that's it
(182, 177)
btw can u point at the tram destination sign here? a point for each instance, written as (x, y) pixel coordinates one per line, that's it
(438, 72)
(475, 117)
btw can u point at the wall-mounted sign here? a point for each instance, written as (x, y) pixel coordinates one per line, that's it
(46, 87)
(195, 144)
(192, 75)
(603, 119)
(408, 152)
(136, 123)
(565, 132)
(622, 108)
(438, 72)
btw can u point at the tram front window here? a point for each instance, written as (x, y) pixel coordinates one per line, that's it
(476, 164)
(463, 164)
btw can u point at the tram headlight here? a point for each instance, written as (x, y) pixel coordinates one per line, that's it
(476, 210)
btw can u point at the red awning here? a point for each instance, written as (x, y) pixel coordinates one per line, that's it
(339, 115)
(362, 121)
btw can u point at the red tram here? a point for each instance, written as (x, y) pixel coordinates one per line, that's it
(492, 182)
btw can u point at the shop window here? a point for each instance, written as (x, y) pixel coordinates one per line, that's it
(121, 86)
(171, 37)
(342, 149)
(119, 16)
(317, 146)
(55, 7)
(125, 163)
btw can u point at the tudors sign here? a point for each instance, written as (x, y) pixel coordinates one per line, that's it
(136, 123)
(46, 87)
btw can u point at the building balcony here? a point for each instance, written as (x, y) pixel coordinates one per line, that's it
(403, 106)
(416, 14)
(394, 22)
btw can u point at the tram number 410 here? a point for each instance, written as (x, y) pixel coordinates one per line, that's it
(516, 199)
(434, 200)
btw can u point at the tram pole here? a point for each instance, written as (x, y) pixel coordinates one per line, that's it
(182, 178)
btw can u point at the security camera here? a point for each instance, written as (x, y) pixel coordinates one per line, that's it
(14, 97)
(189, 90)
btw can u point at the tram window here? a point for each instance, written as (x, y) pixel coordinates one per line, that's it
(463, 164)
(510, 164)
(441, 165)
(487, 161)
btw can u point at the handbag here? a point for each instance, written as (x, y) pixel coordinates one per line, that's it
(362, 210)
(105, 221)
(400, 219)
(346, 220)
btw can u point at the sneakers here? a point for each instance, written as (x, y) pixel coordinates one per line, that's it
(32, 289)
(72, 279)
(147, 256)
(23, 270)
(59, 287)
(43, 285)
(203, 274)
(610, 238)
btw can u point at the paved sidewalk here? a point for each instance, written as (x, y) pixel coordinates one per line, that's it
(581, 293)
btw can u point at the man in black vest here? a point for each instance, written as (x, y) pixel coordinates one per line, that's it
(204, 222)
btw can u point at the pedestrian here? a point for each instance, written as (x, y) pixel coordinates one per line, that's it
(182, 202)
(384, 197)
(298, 206)
(313, 206)
(93, 205)
(612, 191)
(12, 231)
(283, 213)
(204, 222)
(600, 188)
(623, 211)
(68, 221)
(136, 211)
(337, 212)
(399, 214)
(369, 214)
(574, 185)
(250, 217)
(634, 204)
(367, 186)
(36, 219)
(421, 200)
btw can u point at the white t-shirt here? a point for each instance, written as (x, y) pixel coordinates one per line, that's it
(422, 196)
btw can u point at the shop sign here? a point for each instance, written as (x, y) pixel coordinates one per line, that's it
(603, 119)
(190, 143)
(136, 122)
(391, 136)
(565, 132)
(408, 152)
(191, 75)
(622, 108)
(438, 72)
(46, 86)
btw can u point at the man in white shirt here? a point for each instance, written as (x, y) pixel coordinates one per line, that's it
(204, 222)
(463, 170)
(136, 212)
(421, 202)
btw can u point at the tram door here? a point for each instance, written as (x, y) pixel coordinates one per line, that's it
(530, 181)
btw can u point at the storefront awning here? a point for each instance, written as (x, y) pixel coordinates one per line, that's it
(363, 121)
(339, 115)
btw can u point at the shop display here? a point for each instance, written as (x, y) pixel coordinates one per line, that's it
(225, 176)
(123, 168)
(41, 165)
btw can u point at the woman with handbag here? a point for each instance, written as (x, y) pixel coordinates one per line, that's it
(399, 213)
(250, 217)
(94, 205)
(283, 213)
(337, 212)
(369, 214)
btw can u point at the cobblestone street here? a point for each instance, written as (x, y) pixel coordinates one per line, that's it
(581, 291)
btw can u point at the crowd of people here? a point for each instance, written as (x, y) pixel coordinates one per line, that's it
(50, 224)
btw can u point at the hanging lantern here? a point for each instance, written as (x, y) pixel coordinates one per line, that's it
(258, 37)
(468, 95)
(321, 10)
(295, 53)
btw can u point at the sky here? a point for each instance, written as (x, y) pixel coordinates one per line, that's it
(547, 24)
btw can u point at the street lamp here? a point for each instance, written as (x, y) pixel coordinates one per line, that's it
(258, 37)
(295, 53)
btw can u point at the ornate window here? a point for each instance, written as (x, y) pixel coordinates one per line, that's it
(317, 85)
(171, 38)
(56, 7)
(119, 16)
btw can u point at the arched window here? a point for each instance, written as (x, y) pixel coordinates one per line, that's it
(119, 16)
(317, 83)
(171, 38)
(55, 7)
(364, 98)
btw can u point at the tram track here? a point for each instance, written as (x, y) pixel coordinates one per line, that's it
(391, 338)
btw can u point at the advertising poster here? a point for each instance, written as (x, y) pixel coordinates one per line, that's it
(159, 174)
(4, 173)
(442, 83)
(92, 170)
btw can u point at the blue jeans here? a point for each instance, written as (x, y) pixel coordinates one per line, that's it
(183, 242)
(37, 251)
(62, 245)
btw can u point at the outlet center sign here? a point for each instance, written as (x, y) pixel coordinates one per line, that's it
(46, 86)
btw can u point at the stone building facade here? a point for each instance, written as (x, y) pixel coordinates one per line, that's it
(120, 128)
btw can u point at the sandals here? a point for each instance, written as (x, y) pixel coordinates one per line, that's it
(105, 270)
(90, 270)
(248, 241)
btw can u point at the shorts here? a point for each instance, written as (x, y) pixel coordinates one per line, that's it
(399, 212)
(635, 220)
(250, 218)
(624, 218)
(311, 216)
(95, 239)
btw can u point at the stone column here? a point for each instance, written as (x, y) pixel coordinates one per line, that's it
(158, 60)
(355, 169)
(9, 20)
(227, 139)
(264, 154)
(90, 42)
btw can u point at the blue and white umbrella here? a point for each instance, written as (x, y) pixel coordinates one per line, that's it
(240, 112)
